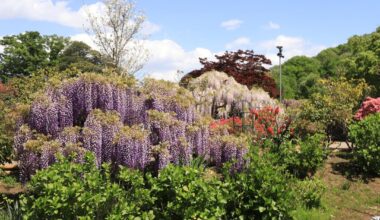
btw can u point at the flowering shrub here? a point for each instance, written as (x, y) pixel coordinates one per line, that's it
(245, 67)
(264, 123)
(231, 124)
(218, 95)
(138, 127)
(369, 106)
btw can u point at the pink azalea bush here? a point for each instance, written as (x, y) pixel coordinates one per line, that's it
(369, 106)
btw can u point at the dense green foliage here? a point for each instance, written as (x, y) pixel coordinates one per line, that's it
(365, 135)
(301, 157)
(80, 56)
(300, 74)
(185, 193)
(71, 191)
(330, 109)
(359, 58)
(68, 190)
(78, 191)
(27, 52)
(262, 191)
(309, 192)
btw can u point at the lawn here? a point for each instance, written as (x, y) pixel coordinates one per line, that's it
(347, 196)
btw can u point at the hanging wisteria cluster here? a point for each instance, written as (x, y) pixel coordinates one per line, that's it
(36, 151)
(136, 126)
(217, 94)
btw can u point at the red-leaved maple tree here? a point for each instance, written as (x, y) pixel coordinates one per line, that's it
(245, 66)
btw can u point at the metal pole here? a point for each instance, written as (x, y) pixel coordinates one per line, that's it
(280, 56)
(280, 81)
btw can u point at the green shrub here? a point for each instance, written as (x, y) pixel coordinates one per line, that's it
(71, 191)
(136, 200)
(302, 158)
(261, 191)
(309, 155)
(309, 192)
(365, 135)
(329, 109)
(264, 190)
(186, 193)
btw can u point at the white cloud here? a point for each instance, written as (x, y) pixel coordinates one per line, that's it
(167, 57)
(149, 28)
(86, 39)
(231, 24)
(239, 43)
(42, 10)
(58, 12)
(292, 46)
(273, 26)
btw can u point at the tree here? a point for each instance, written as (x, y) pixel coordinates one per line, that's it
(79, 55)
(328, 59)
(27, 52)
(244, 66)
(359, 58)
(331, 108)
(300, 74)
(116, 35)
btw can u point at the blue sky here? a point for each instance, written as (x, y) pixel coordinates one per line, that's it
(181, 31)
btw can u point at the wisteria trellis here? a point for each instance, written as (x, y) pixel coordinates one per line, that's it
(121, 123)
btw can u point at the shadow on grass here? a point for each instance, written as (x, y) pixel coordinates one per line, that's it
(348, 169)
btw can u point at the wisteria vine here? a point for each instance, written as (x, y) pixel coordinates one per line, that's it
(135, 126)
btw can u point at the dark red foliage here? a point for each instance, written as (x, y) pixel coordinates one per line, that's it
(369, 106)
(245, 66)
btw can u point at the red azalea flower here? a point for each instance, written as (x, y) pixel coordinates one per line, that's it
(279, 131)
(270, 130)
(237, 120)
(277, 110)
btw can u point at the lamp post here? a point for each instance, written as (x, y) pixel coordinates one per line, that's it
(279, 54)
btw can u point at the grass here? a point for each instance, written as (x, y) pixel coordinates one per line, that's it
(345, 197)
(312, 214)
